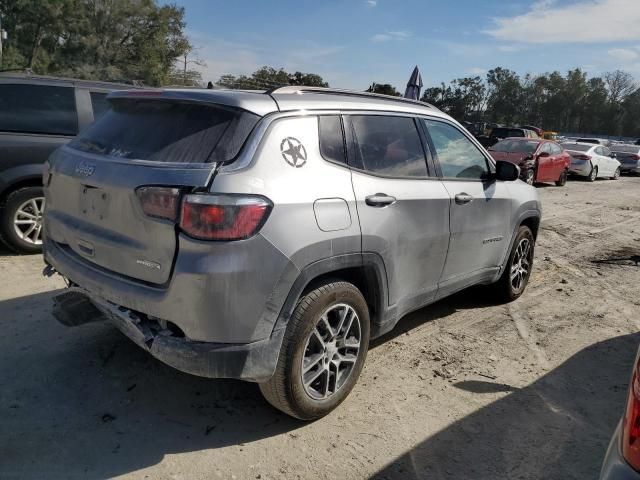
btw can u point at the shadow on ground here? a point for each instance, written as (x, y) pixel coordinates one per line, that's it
(556, 428)
(87, 402)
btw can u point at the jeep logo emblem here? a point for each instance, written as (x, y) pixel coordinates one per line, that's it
(85, 169)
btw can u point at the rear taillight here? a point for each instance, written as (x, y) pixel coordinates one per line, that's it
(159, 202)
(223, 217)
(581, 157)
(635, 157)
(631, 423)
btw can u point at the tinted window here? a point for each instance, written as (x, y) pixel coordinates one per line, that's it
(545, 148)
(457, 155)
(38, 109)
(165, 131)
(576, 147)
(555, 149)
(588, 140)
(625, 149)
(331, 138)
(605, 151)
(507, 132)
(99, 104)
(599, 151)
(516, 146)
(388, 146)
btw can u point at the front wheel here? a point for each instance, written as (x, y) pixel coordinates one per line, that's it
(518, 269)
(529, 177)
(593, 175)
(323, 352)
(21, 220)
(562, 181)
(616, 174)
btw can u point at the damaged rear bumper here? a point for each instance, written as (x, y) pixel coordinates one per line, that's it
(254, 361)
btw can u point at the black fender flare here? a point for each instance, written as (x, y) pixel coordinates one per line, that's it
(371, 263)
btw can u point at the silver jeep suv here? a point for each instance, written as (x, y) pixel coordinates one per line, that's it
(269, 236)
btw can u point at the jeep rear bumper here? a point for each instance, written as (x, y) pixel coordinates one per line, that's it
(254, 361)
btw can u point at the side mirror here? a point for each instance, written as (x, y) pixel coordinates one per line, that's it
(544, 154)
(614, 155)
(507, 171)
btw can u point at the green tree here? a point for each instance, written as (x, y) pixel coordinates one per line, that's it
(383, 89)
(266, 78)
(504, 95)
(131, 40)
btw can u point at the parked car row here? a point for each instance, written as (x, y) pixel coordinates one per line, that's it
(38, 115)
(543, 160)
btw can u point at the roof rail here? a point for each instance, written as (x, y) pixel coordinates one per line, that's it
(339, 91)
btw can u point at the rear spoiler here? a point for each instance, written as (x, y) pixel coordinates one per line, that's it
(253, 102)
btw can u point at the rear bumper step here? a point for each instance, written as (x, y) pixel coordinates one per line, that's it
(254, 362)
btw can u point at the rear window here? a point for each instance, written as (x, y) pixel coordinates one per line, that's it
(625, 149)
(166, 131)
(588, 140)
(99, 104)
(507, 132)
(576, 147)
(515, 146)
(38, 109)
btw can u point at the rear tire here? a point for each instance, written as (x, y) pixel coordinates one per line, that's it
(310, 363)
(616, 174)
(516, 275)
(593, 175)
(562, 181)
(21, 207)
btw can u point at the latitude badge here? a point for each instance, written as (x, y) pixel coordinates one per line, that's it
(293, 152)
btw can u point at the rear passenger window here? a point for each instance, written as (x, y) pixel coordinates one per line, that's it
(555, 149)
(457, 155)
(389, 146)
(38, 109)
(331, 138)
(99, 104)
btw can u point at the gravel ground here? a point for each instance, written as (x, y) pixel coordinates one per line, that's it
(461, 389)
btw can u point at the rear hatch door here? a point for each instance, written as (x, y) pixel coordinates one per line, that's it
(92, 206)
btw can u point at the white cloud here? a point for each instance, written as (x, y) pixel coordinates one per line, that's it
(477, 71)
(388, 36)
(623, 54)
(578, 22)
(372, 3)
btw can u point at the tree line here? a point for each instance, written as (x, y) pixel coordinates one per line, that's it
(135, 41)
(607, 105)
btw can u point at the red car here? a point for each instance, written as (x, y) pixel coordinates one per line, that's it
(539, 160)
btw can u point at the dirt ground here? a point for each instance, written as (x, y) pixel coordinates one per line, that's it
(463, 389)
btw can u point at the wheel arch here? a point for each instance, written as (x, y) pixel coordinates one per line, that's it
(366, 271)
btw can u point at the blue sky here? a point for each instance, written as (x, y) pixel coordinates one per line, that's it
(354, 43)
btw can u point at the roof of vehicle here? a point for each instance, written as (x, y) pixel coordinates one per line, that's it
(11, 77)
(568, 144)
(526, 139)
(292, 98)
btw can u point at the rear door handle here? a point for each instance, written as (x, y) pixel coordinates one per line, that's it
(380, 200)
(463, 198)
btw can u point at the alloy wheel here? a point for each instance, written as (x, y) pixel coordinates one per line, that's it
(594, 174)
(27, 221)
(521, 264)
(529, 177)
(331, 351)
(616, 175)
